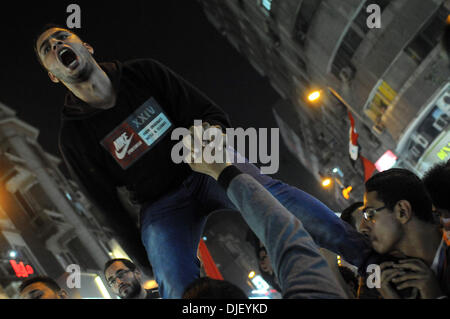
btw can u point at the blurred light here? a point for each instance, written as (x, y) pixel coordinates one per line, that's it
(346, 192)
(13, 254)
(387, 161)
(205, 238)
(251, 275)
(102, 288)
(326, 182)
(68, 196)
(150, 284)
(260, 283)
(267, 4)
(335, 170)
(314, 96)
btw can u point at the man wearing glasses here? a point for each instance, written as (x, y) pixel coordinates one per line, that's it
(399, 221)
(125, 280)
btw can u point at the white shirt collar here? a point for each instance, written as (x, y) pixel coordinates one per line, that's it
(434, 266)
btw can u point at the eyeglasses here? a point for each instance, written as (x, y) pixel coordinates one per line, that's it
(369, 213)
(120, 275)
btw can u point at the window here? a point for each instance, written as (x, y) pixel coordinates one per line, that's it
(346, 51)
(306, 13)
(353, 39)
(428, 37)
(432, 127)
(25, 205)
(267, 4)
(383, 98)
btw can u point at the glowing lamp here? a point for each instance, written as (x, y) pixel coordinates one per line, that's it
(314, 96)
(346, 192)
(326, 182)
(387, 161)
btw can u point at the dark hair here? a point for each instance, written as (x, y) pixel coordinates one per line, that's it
(207, 288)
(126, 262)
(49, 282)
(400, 184)
(346, 214)
(437, 183)
(44, 29)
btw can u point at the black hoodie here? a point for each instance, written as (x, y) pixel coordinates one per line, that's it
(130, 144)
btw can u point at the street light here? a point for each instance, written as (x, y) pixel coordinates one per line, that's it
(314, 96)
(326, 182)
(12, 254)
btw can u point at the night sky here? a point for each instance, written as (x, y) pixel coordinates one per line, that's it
(174, 32)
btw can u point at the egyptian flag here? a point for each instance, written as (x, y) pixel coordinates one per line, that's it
(369, 168)
(353, 140)
(354, 151)
(211, 269)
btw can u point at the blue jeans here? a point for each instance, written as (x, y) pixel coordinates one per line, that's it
(172, 226)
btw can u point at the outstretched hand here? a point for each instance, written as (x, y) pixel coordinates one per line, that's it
(207, 155)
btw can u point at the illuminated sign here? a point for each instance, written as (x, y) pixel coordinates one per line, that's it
(21, 270)
(387, 161)
(444, 152)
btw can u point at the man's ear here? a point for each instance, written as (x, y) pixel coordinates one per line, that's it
(88, 47)
(53, 77)
(138, 274)
(403, 211)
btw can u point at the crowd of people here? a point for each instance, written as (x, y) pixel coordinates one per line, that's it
(396, 239)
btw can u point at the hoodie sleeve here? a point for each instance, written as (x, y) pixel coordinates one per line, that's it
(185, 102)
(102, 192)
(301, 269)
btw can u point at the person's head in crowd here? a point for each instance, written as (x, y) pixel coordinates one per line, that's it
(396, 208)
(65, 57)
(207, 288)
(437, 182)
(41, 287)
(353, 215)
(124, 279)
(264, 262)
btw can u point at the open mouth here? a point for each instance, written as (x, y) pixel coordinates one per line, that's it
(68, 58)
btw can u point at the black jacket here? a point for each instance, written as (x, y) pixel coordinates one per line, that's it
(130, 144)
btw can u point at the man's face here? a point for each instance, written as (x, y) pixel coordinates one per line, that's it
(39, 290)
(65, 56)
(123, 281)
(383, 230)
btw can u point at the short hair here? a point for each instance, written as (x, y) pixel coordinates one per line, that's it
(346, 214)
(400, 184)
(48, 26)
(49, 282)
(437, 183)
(126, 262)
(207, 288)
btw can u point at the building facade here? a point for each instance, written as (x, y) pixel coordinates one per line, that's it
(46, 222)
(392, 79)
